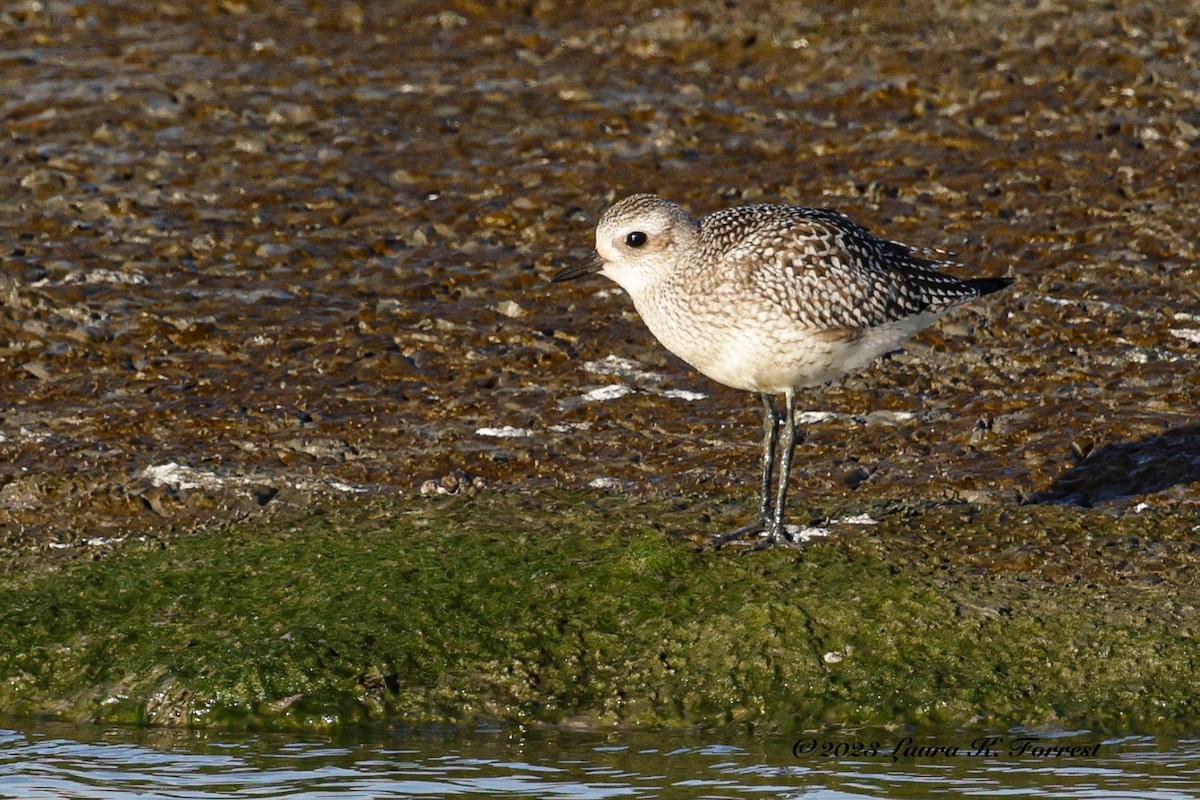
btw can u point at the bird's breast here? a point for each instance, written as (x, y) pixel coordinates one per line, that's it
(755, 350)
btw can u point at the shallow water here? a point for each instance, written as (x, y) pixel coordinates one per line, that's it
(58, 761)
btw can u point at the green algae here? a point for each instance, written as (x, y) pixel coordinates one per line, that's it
(578, 610)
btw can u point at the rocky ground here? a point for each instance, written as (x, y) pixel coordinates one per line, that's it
(260, 256)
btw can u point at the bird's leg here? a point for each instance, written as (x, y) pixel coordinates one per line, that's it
(777, 533)
(771, 419)
(770, 438)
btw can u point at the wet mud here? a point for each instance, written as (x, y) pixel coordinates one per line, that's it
(265, 256)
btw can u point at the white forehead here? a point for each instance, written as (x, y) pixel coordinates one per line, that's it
(641, 212)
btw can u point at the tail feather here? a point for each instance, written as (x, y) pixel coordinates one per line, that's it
(988, 285)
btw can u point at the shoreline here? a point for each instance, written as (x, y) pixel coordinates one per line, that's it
(593, 611)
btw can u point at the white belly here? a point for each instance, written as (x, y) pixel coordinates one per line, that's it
(775, 355)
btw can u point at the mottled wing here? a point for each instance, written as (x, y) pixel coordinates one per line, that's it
(827, 271)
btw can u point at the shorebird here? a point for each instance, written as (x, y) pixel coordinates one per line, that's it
(771, 299)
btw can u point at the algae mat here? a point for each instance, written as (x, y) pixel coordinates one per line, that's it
(595, 610)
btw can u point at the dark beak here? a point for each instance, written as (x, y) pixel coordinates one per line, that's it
(584, 266)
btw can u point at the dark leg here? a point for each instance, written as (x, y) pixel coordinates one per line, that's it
(777, 533)
(770, 437)
(771, 419)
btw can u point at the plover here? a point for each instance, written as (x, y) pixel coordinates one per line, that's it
(771, 299)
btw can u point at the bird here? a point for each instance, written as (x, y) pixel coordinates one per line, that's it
(771, 299)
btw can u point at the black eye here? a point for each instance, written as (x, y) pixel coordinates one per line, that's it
(636, 239)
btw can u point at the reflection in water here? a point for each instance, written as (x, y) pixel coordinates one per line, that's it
(57, 761)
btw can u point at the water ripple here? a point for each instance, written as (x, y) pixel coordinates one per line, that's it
(58, 761)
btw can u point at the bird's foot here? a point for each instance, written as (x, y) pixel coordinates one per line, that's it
(750, 529)
(773, 535)
(765, 533)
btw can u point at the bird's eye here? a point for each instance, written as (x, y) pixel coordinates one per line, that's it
(636, 239)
